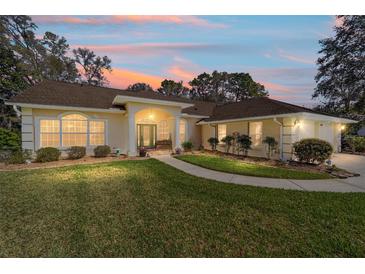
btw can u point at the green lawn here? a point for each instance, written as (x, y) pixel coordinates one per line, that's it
(149, 209)
(239, 167)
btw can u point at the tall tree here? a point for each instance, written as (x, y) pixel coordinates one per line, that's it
(57, 64)
(341, 67)
(225, 87)
(241, 86)
(170, 87)
(92, 67)
(139, 87)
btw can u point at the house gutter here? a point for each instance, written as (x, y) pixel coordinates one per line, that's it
(281, 137)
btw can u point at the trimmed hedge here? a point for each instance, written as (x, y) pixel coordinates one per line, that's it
(356, 143)
(312, 150)
(9, 140)
(19, 157)
(47, 154)
(76, 152)
(102, 151)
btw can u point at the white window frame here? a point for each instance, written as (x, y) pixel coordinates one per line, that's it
(220, 138)
(59, 118)
(185, 130)
(259, 145)
(159, 128)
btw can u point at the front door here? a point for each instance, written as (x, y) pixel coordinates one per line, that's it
(146, 135)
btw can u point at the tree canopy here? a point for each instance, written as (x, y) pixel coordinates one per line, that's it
(26, 59)
(139, 87)
(170, 87)
(341, 68)
(225, 87)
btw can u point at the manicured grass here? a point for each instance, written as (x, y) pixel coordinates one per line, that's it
(149, 209)
(229, 165)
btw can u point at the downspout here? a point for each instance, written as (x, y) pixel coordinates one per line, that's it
(18, 113)
(281, 138)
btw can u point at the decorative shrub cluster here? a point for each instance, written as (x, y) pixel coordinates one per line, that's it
(9, 140)
(213, 142)
(102, 151)
(356, 143)
(76, 152)
(271, 145)
(312, 150)
(47, 154)
(187, 145)
(19, 157)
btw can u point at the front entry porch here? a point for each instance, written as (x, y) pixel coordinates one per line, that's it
(155, 128)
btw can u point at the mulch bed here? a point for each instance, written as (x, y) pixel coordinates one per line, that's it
(334, 171)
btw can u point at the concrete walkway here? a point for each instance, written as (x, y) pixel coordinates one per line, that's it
(331, 185)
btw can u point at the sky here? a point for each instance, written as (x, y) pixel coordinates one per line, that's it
(280, 52)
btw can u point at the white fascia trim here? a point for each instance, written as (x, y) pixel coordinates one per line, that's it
(194, 116)
(243, 119)
(307, 115)
(322, 117)
(66, 108)
(122, 99)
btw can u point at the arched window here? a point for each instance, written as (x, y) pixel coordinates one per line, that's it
(71, 130)
(74, 130)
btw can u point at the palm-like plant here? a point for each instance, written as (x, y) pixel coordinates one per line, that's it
(213, 142)
(271, 145)
(228, 140)
(244, 143)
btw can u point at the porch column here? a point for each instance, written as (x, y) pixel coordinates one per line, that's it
(132, 147)
(177, 131)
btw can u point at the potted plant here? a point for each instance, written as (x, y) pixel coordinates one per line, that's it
(142, 152)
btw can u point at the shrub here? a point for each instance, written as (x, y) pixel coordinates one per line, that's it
(9, 140)
(228, 140)
(271, 145)
(102, 151)
(187, 145)
(19, 157)
(213, 142)
(243, 143)
(312, 150)
(356, 143)
(76, 152)
(142, 152)
(47, 154)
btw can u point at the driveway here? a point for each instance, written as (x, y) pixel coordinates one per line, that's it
(332, 185)
(354, 163)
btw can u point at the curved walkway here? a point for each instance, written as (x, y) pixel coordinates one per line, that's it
(331, 185)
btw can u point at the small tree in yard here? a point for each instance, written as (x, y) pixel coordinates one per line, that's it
(244, 143)
(271, 145)
(228, 140)
(213, 142)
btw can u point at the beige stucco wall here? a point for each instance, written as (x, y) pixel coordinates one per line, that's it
(116, 131)
(194, 131)
(269, 128)
(298, 128)
(117, 124)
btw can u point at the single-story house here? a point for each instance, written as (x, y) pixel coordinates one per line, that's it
(59, 114)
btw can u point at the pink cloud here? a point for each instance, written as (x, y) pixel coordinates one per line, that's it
(295, 58)
(135, 19)
(180, 73)
(276, 87)
(338, 22)
(122, 78)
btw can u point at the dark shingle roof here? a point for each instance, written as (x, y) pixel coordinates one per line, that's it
(76, 95)
(254, 107)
